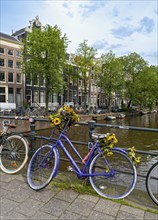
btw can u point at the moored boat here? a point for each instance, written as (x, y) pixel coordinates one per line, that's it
(121, 116)
(110, 117)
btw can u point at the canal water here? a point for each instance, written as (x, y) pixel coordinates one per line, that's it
(142, 140)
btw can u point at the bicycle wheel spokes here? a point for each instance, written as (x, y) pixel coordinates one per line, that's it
(115, 179)
(14, 154)
(42, 167)
(152, 183)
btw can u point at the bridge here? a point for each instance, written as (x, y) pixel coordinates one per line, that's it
(141, 199)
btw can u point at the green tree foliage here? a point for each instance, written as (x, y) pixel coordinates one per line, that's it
(146, 88)
(133, 64)
(111, 78)
(44, 54)
(85, 60)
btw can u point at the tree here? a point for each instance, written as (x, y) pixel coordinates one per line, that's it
(111, 78)
(133, 64)
(146, 88)
(44, 54)
(85, 58)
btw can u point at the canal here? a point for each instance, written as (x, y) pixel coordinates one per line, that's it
(142, 140)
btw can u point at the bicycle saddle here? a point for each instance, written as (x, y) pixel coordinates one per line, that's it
(98, 136)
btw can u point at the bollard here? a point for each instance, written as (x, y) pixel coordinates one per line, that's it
(91, 126)
(32, 136)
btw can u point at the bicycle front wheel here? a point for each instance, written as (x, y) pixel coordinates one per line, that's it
(43, 167)
(13, 154)
(152, 182)
(114, 176)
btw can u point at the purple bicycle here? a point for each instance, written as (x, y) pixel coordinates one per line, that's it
(111, 176)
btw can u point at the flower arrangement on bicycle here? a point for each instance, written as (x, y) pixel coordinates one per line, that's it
(64, 115)
(108, 142)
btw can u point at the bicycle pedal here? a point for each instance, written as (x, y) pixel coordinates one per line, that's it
(69, 168)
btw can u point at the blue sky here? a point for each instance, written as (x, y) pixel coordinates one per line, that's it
(119, 25)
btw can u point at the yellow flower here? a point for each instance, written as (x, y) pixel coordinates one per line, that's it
(64, 114)
(56, 121)
(110, 153)
(132, 155)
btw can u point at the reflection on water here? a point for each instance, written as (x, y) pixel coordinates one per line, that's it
(142, 140)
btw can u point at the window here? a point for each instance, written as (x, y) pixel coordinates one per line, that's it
(10, 52)
(18, 53)
(18, 90)
(36, 96)
(10, 64)
(10, 95)
(2, 62)
(28, 96)
(1, 50)
(10, 77)
(18, 64)
(70, 80)
(2, 94)
(18, 77)
(18, 96)
(42, 97)
(2, 76)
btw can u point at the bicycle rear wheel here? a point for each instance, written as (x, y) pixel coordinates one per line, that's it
(114, 176)
(13, 154)
(152, 182)
(43, 167)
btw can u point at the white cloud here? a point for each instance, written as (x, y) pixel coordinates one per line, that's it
(122, 25)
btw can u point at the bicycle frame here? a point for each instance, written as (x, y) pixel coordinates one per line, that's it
(80, 172)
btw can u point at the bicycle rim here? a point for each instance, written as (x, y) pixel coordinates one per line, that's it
(152, 183)
(115, 182)
(43, 167)
(13, 154)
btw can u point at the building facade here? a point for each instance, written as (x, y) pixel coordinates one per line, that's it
(23, 90)
(11, 76)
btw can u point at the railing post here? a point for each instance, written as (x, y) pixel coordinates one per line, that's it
(91, 126)
(32, 136)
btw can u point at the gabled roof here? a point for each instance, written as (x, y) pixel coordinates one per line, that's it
(8, 37)
(19, 32)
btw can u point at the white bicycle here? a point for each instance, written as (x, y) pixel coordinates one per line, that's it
(13, 150)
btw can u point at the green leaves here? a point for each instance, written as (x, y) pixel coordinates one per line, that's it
(44, 55)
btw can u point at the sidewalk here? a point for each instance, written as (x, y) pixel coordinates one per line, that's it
(19, 202)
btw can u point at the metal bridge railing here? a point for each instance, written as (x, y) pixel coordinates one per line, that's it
(91, 125)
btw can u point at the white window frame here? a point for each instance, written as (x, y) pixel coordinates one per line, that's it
(4, 77)
(13, 64)
(11, 55)
(4, 63)
(8, 77)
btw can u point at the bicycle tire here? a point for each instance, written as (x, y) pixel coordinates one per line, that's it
(118, 185)
(13, 154)
(152, 182)
(43, 167)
